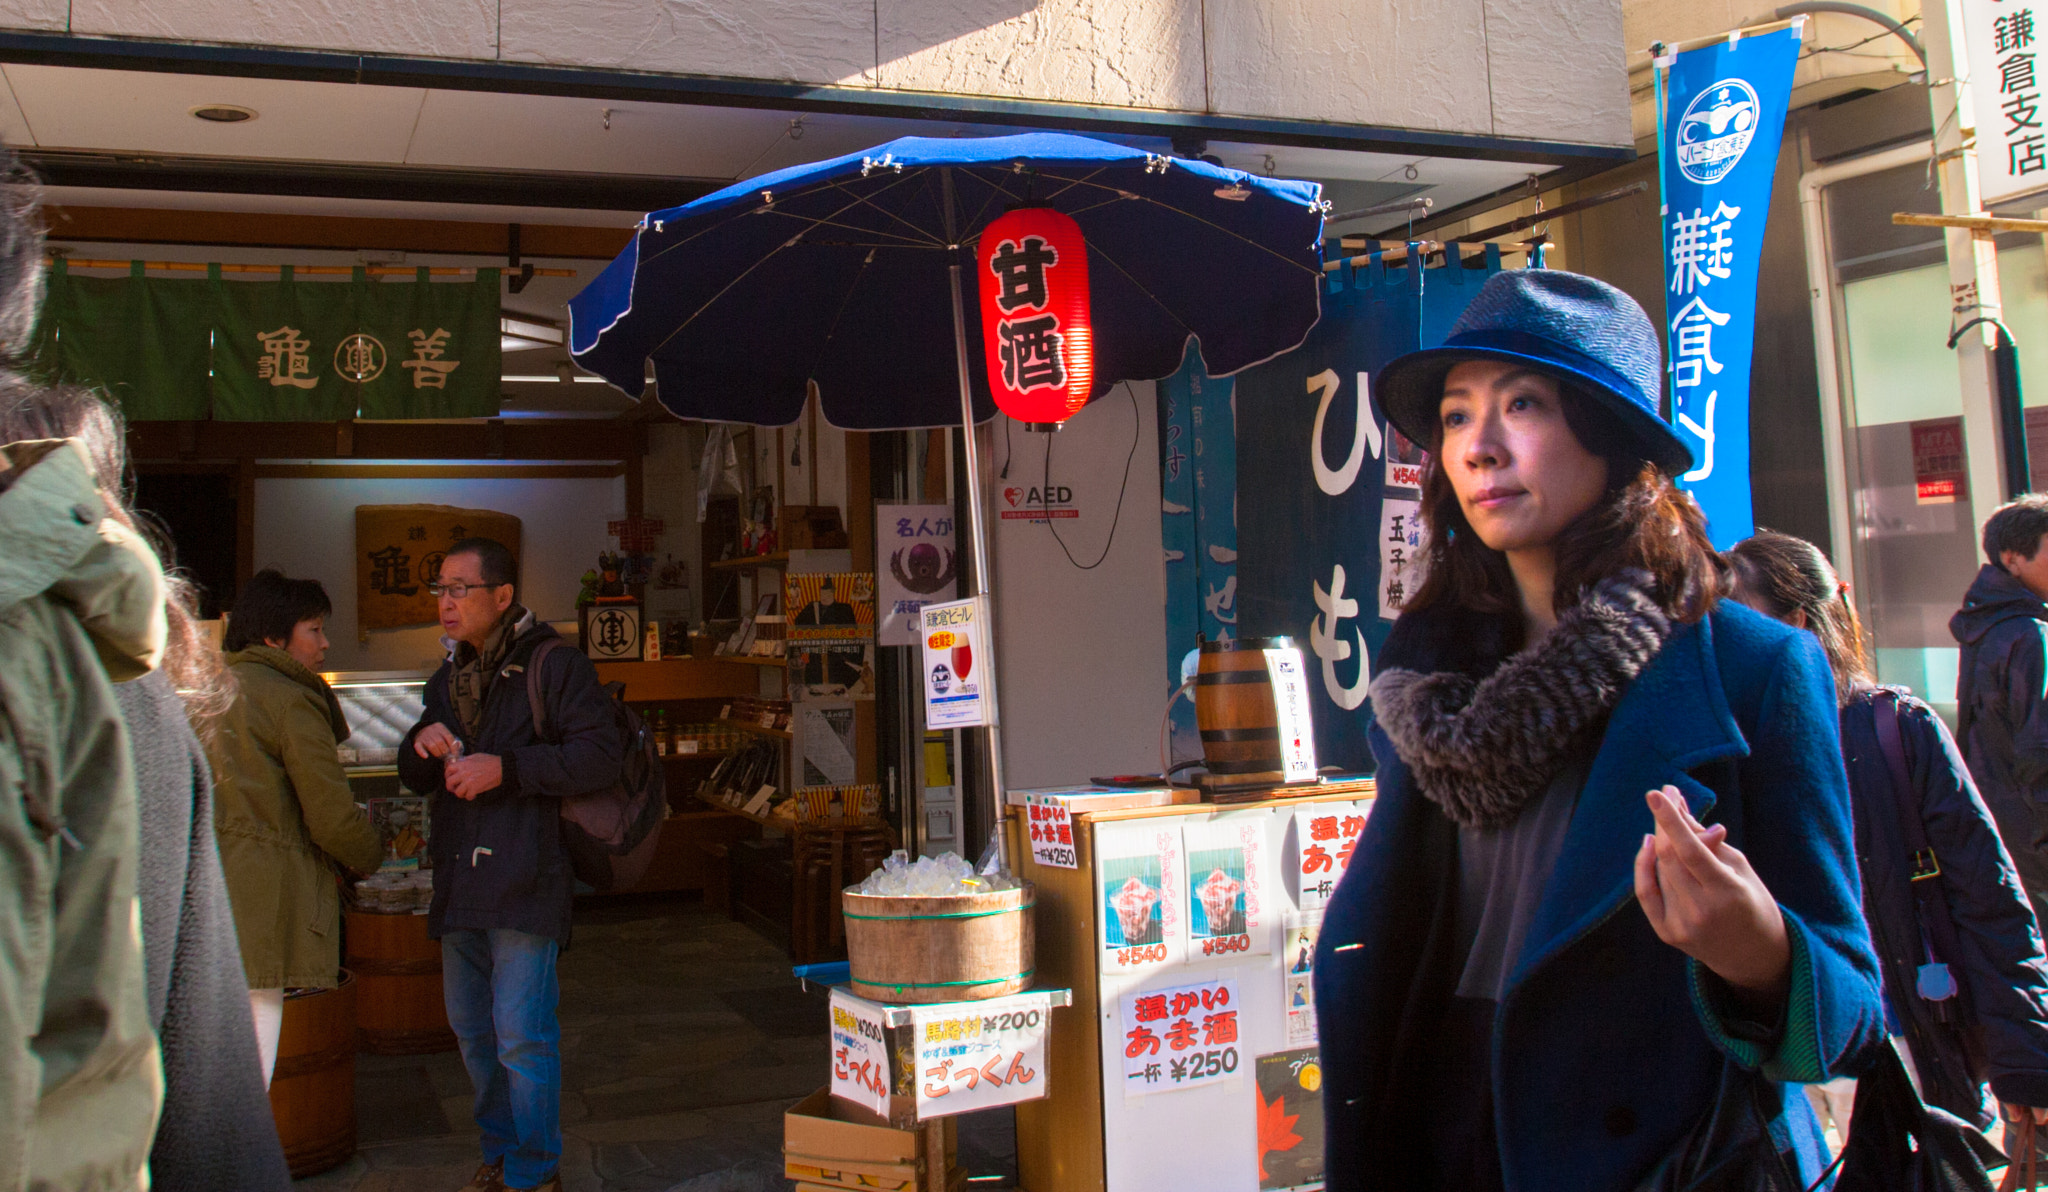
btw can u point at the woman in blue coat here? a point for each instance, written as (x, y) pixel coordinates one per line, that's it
(1611, 852)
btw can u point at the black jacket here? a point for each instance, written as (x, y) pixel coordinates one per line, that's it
(216, 1131)
(2001, 970)
(499, 859)
(2002, 715)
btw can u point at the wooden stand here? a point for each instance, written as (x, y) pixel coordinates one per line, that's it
(313, 1088)
(399, 1005)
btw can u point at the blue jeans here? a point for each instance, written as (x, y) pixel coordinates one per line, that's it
(501, 993)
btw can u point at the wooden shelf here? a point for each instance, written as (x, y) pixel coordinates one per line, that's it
(780, 734)
(766, 821)
(776, 663)
(751, 562)
(680, 678)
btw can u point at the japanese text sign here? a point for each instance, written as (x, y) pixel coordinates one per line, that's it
(1036, 325)
(860, 1053)
(1325, 836)
(1296, 724)
(955, 692)
(978, 1055)
(1139, 870)
(920, 564)
(1724, 113)
(399, 549)
(1052, 831)
(1181, 1037)
(2002, 44)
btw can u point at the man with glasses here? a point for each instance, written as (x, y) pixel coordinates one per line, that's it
(502, 881)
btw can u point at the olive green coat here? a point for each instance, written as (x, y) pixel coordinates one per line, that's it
(81, 605)
(285, 817)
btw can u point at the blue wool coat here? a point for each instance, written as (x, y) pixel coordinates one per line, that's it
(1608, 1044)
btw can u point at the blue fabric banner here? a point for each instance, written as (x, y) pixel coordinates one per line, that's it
(1722, 117)
(1327, 491)
(1198, 513)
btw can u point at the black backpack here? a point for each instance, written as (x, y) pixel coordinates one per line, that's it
(610, 834)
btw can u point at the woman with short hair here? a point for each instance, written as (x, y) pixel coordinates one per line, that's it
(284, 815)
(1609, 864)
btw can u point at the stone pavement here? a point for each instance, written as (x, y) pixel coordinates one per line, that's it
(684, 1037)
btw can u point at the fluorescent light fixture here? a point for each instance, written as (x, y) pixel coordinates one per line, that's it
(519, 334)
(551, 379)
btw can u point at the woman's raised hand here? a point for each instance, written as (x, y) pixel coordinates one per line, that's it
(1703, 899)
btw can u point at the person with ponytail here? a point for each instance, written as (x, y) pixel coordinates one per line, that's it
(1965, 981)
(1608, 873)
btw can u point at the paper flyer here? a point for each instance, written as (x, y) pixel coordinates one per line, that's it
(919, 564)
(860, 1053)
(1180, 1037)
(1400, 553)
(953, 675)
(1324, 837)
(1230, 911)
(1297, 976)
(1052, 831)
(1290, 701)
(979, 1055)
(1289, 1085)
(1144, 889)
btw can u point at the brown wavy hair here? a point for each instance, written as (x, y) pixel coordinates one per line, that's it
(1779, 575)
(1643, 521)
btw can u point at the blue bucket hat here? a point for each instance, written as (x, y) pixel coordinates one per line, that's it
(1576, 328)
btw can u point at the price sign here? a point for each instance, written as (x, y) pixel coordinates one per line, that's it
(860, 1053)
(1290, 702)
(1052, 831)
(1324, 839)
(978, 1055)
(1181, 1037)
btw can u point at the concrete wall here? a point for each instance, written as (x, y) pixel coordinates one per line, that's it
(1549, 69)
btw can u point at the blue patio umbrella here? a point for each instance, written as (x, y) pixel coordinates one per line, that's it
(848, 274)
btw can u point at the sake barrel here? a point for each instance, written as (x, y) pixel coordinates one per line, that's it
(399, 1006)
(313, 1090)
(1234, 707)
(955, 948)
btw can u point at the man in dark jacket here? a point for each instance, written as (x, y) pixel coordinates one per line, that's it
(502, 880)
(2001, 700)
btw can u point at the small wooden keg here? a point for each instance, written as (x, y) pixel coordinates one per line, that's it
(1235, 711)
(399, 1005)
(313, 1090)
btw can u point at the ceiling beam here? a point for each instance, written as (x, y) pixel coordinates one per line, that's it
(538, 439)
(162, 225)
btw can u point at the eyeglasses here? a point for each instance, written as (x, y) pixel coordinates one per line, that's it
(458, 589)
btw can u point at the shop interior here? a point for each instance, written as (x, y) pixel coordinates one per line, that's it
(685, 1034)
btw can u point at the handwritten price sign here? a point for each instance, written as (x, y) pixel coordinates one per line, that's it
(860, 1053)
(1181, 1037)
(1052, 832)
(978, 1055)
(1325, 837)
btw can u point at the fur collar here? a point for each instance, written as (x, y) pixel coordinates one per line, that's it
(1481, 748)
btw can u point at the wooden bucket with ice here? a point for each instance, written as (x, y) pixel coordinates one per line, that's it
(952, 948)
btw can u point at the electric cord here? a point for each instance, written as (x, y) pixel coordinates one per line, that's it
(1044, 499)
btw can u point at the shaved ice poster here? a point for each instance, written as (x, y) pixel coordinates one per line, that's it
(1139, 868)
(1228, 914)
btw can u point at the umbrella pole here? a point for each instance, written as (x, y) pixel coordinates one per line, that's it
(979, 532)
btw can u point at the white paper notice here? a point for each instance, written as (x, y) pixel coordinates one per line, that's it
(1229, 911)
(1324, 837)
(1400, 553)
(920, 561)
(1181, 1037)
(978, 1055)
(1297, 976)
(1290, 700)
(954, 651)
(1143, 883)
(860, 1053)
(1052, 831)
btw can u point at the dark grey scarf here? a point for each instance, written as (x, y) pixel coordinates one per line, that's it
(1481, 749)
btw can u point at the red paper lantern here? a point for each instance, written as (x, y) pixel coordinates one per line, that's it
(1036, 325)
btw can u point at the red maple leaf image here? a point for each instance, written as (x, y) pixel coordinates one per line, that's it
(1276, 1128)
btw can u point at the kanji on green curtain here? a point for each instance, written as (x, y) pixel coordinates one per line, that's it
(143, 345)
(279, 350)
(439, 345)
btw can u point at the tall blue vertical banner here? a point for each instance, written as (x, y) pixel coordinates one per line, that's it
(1198, 519)
(1722, 117)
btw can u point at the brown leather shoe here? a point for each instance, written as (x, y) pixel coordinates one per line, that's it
(488, 1178)
(551, 1184)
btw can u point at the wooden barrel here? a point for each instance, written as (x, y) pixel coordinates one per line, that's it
(1234, 708)
(313, 1092)
(952, 949)
(399, 1008)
